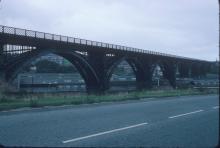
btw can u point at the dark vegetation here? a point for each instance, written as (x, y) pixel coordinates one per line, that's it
(8, 100)
(45, 66)
(20, 100)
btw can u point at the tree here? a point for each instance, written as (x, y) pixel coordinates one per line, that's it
(45, 66)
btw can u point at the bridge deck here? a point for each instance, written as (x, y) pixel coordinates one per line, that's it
(5, 30)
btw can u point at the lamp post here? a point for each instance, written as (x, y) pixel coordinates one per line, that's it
(158, 81)
(157, 75)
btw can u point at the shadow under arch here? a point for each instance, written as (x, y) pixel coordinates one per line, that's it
(85, 70)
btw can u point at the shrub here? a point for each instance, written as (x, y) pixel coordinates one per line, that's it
(3, 98)
(34, 102)
(201, 89)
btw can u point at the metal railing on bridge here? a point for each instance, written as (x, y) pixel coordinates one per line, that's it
(54, 37)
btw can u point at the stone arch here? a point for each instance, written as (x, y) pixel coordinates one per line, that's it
(136, 66)
(168, 69)
(86, 71)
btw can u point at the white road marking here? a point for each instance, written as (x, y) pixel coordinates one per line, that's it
(103, 133)
(186, 114)
(215, 107)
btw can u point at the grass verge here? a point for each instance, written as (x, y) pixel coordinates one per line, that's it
(39, 100)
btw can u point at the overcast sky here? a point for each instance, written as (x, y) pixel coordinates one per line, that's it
(181, 27)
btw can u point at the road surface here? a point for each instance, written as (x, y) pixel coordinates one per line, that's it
(176, 121)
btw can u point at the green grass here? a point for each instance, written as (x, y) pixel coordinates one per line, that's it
(40, 100)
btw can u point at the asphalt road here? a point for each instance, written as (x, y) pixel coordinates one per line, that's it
(178, 121)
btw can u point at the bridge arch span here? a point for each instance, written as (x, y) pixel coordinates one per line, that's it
(137, 67)
(168, 68)
(84, 68)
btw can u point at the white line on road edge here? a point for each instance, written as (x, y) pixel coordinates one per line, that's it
(186, 114)
(215, 107)
(103, 133)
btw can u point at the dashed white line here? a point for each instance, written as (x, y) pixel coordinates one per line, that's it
(186, 114)
(103, 133)
(215, 107)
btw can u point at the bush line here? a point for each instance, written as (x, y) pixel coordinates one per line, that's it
(40, 100)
